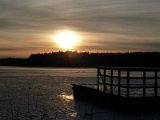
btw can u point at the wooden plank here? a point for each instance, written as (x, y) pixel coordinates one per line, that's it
(131, 68)
(131, 77)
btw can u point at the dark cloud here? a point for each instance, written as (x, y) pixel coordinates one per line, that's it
(7, 49)
(20, 49)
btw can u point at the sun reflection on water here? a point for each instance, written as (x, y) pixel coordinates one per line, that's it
(66, 97)
(67, 101)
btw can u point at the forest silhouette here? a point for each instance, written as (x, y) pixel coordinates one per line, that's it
(86, 59)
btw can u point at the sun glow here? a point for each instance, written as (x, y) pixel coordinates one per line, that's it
(66, 39)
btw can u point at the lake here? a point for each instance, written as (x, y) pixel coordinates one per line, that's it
(46, 94)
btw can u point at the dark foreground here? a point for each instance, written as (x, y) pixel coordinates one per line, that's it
(116, 102)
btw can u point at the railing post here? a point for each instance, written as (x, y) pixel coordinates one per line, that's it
(104, 80)
(144, 83)
(128, 72)
(97, 78)
(155, 83)
(119, 82)
(111, 82)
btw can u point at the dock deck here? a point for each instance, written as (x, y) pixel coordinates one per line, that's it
(124, 86)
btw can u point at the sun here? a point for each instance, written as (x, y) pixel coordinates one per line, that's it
(66, 39)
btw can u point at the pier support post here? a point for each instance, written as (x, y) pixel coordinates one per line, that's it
(119, 82)
(155, 83)
(98, 78)
(128, 82)
(104, 81)
(144, 83)
(111, 82)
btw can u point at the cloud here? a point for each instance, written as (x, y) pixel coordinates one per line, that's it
(7, 49)
(104, 20)
(90, 16)
(20, 49)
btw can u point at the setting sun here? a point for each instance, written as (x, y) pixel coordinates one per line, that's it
(66, 39)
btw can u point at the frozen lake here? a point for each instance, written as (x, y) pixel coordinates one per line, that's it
(46, 94)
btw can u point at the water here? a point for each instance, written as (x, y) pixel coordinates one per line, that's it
(46, 94)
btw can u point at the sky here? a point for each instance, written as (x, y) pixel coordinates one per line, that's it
(28, 26)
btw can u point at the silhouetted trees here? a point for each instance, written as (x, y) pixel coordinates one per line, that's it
(86, 59)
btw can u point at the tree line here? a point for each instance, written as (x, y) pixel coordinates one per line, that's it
(86, 59)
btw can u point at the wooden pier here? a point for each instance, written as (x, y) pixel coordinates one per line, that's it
(124, 87)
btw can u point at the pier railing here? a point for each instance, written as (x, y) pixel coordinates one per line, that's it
(129, 81)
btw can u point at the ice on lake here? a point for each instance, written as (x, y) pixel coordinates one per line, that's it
(46, 94)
